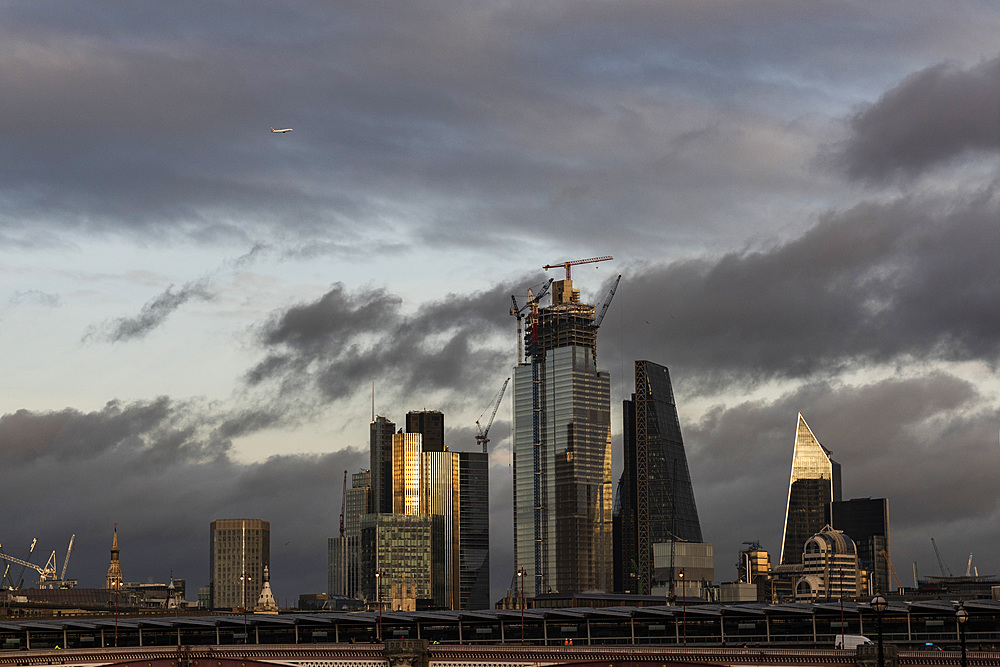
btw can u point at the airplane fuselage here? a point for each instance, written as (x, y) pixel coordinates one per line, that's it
(287, 129)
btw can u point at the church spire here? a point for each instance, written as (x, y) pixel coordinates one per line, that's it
(114, 569)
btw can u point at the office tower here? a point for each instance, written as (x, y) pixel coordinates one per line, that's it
(336, 566)
(755, 568)
(239, 550)
(407, 481)
(866, 521)
(829, 568)
(402, 548)
(381, 433)
(430, 424)
(655, 493)
(114, 569)
(474, 529)
(359, 501)
(441, 495)
(814, 484)
(562, 451)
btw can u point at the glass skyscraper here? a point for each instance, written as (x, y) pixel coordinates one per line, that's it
(562, 452)
(655, 496)
(814, 484)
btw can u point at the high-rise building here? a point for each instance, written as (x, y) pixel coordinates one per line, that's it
(814, 484)
(239, 550)
(562, 451)
(344, 553)
(866, 521)
(655, 496)
(115, 568)
(408, 482)
(474, 529)
(399, 549)
(829, 568)
(430, 424)
(439, 472)
(381, 433)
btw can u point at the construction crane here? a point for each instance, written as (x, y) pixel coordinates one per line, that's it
(46, 573)
(10, 581)
(574, 262)
(941, 564)
(343, 505)
(517, 312)
(482, 437)
(69, 550)
(607, 302)
(888, 561)
(968, 568)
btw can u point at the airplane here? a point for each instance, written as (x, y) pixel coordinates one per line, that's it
(280, 131)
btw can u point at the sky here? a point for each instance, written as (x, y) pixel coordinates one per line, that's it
(197, 315)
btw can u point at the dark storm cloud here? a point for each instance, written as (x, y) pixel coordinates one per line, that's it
(161, 470)
(337, 345)
(934, 116)
(908, 281)
(153, 314)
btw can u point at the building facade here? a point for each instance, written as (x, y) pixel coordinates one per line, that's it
(813, 485)
(429, 424)
(402, 548)
(474, 530)
(239, 550)
(829, 568)
(656, 497)
(562, 452)
(380, 448)
(866, 521)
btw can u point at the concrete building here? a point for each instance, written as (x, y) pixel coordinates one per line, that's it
(562, 451)
(403, 547)
(239, 550)
(814, 483)
(655, 496)
(829, 568)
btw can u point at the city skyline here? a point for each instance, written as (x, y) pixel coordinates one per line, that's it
(802, 199)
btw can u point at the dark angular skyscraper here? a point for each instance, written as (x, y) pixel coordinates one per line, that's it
(655, 496)
(814, 484)
(474, 529)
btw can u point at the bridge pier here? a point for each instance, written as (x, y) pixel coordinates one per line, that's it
(406, 653)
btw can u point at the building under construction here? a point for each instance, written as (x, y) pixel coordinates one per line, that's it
(562, 450)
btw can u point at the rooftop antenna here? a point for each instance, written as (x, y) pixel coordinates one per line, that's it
(373, 400)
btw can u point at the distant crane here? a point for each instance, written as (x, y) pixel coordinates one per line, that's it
(46, 573)
(575, 262)
(343, 505)
(482, 437)
(885, 554)
(10, 581)
(941, 564)
(968, 568)
(607, 302)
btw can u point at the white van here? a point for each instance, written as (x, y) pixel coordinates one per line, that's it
(851, 642)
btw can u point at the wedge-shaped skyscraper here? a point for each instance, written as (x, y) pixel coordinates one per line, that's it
(655, 497)
(814, 484)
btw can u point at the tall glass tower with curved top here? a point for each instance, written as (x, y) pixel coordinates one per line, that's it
(814, 484)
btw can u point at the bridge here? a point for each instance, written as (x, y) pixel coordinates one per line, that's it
(421, 653)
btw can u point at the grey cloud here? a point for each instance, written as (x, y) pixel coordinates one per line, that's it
(161, 470)
(933, 116)
(908, 281)
(153, 314)
(34, 297)
(335, 346)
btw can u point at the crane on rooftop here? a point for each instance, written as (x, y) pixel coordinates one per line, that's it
(343, 505)
(575, 262)
(482, 437)
(518, 313)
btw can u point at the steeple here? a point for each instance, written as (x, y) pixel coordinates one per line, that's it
(114, 569)
(266, 603)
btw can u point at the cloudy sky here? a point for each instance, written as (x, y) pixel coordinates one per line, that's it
(803, 199)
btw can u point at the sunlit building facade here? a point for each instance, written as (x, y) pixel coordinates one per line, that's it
(829, 568)
(408, 482)
(814, 484)
(403, 549)
(562, 480)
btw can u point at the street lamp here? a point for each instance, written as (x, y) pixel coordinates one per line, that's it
(520, 576)
(244, 579)
(962, 616)
(684, 607)
(378, 601)
(879, 605)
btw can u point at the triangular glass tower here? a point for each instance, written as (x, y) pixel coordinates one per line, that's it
(814, 484)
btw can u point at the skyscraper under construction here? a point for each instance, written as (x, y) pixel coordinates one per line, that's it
(562, 451)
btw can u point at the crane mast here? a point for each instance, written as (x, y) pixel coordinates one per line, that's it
(482, 437)
(343, 505)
